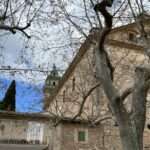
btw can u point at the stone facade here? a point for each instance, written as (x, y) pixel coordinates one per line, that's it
(126, 51)
(67, 136)
(13, 129)
(70, 134)
(24, 128)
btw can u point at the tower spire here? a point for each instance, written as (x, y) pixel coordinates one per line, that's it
(54, 71)
(50, 83)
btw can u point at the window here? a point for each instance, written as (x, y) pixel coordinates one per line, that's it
(116, 124)
(73, 84)
(81, 136)
(35, 131)
(2, 129)
(148, 126)
(132, 36)
(64, 95)
(54, 83)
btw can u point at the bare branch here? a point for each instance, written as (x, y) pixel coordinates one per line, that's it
(84, 100)
(102, 119)
(4, 15)
(76, 26)
(86, 14)
(14, 28)
(126, 93)
(133, 13)
(97, 15)
(119, 8)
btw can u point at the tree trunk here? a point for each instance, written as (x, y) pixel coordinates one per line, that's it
(131, 125)
(129, 137)
(131, 134)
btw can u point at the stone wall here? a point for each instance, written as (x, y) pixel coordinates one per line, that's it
(14, 131)
(93, 137)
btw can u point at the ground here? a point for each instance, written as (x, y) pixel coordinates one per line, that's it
(21, 147)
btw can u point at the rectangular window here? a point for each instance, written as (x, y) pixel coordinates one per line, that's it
(132, 37)
(73, 84)
(64, 95)
(81, 136)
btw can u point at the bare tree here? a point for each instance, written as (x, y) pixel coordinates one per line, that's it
(14, 16)
(131, 124)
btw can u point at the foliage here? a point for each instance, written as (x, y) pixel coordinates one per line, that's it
(9, 100)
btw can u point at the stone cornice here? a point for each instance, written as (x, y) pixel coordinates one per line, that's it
(24, 116)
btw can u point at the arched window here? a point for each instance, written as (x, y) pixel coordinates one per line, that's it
(54, 83)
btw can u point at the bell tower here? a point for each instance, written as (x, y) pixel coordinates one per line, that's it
(50, 84)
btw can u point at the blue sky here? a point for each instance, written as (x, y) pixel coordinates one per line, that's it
(29, 97)
(29, 85)
(15, 53)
